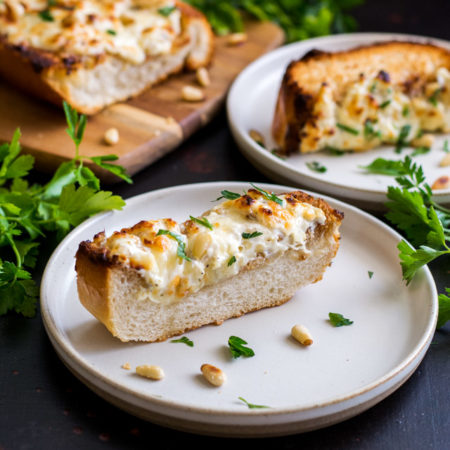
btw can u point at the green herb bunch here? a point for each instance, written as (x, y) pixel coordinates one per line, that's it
(300, 19)
(34, 214)
(425, 223)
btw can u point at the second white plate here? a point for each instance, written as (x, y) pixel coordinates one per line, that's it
(344, 372)
(251, 104)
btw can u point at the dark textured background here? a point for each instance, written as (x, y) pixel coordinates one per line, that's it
(43, 406)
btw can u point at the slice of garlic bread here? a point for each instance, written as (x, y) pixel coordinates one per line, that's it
(360, 98)
(159, 278)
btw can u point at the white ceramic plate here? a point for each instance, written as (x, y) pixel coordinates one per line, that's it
(251, 104)
(344, 372)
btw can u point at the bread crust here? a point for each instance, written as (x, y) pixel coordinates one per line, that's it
(48, 76)
(96, 272)
(409, 65)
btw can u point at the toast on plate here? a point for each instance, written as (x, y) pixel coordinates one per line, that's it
(390, 92)
(159, 278)
(93, 53)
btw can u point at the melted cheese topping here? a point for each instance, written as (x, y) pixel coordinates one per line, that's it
(373, 111)
(129, 29)
(211, 254)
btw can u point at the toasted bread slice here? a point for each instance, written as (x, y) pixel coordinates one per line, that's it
(92, 73)
(232, 274)
(408, 70)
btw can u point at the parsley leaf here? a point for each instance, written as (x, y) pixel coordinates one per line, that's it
(166, 11)
(46, 15)
(231, 261)
(237, 347)
(183, 340)
(383, 166)
(202, 221)
(385, 104)
(251, 235)
(228, 195)
(252, 405)
(181, 250)
(113, 168)
(347, 129)
(444, 308)
(420, 151)
(446, 146)
(268, 196)
(433, 99)
(112, 32)
(370, 273)
(338, 320)
(403, 135)
(316, 166)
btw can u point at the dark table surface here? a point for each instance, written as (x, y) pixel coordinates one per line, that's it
(42, 405)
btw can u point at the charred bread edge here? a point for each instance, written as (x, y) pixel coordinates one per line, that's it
(294, 106)
(27, 66)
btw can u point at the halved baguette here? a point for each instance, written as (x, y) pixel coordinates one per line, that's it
(93, 81)
(407, 66)
(120, 297)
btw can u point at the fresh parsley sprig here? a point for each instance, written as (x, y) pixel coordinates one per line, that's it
(183, 340)
(237, 347)
(181, 249)
(252, 405)
(32, 214)
(228, 195)
(202, 221)
(338, 320)
(268, 195)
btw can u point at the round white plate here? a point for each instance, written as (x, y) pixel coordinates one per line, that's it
(344, 372)
(251, 105)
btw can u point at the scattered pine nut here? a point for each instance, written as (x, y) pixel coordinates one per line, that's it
(257, 137)
(202, 76)
(445, 160)
(213, 374)
(192, 94)
(301, 334)
(111, 136)
(16, 10)
(126, 366)
(426, 140)
(152, 372)
(441, 183)
(237, 38)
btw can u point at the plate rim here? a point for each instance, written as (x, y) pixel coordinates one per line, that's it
(282, 168)
(56, 334)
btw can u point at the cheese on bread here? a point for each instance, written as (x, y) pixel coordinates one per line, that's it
(115, 47)
(165, 266)
(359, 99)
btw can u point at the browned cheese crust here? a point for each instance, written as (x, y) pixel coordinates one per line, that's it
(34, 70)
(409, 65)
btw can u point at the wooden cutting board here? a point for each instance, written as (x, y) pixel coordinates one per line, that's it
(150, 125)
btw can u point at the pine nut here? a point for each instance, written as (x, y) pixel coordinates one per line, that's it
(301, 334)
(192, 94)
(237, 38)
(257, 137)
(202, 76)
(441, 183)
(427, 140)
(111, 136)
(445, 160)
(126, 366)
(213, 374)
(152, 372)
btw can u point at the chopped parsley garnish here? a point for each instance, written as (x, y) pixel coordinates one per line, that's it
(446, 146)
(183, 340)
(347, 129)
(46, 16)
(420, 151)
(369, 131)
(237, 349)
(316, 166)
(335, 151)
(373, 87)
(338, 320)
(228, 195)
(112, 32)
(202, 221)
(181, 251)
(269, 196)
(231, 261)
(251, 235)
(167, 10)
(251, 405)
(405, 111)
(433, 99)
(370, 274)
(383, 166)
(385, 104)
(403, 135)
(275, 153)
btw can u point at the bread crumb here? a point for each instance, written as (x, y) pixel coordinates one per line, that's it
(126, 366)
(192, 94)
(111, 136)
(202, 76)
(237, 39)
